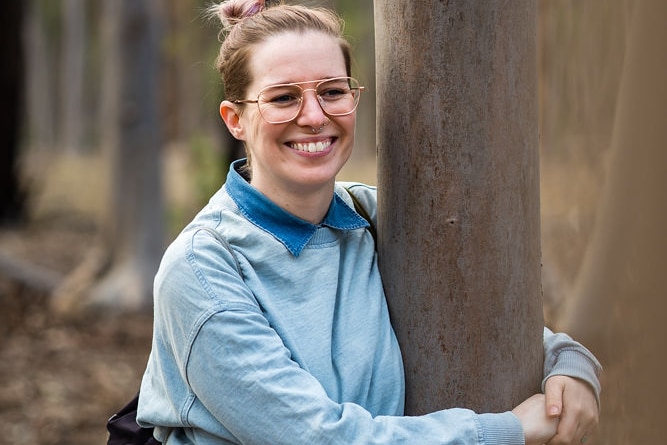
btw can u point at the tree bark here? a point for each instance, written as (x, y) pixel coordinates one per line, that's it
(458, 203)
(619, 304)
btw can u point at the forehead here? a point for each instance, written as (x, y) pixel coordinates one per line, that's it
(296, 57)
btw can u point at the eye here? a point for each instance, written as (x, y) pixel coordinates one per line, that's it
(281, 96)
(283, 99)
(333, 93)
(333, 90)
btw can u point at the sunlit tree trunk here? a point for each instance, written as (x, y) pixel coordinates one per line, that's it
(620, 301)
(459, 198)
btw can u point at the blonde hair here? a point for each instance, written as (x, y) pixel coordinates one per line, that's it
(247, 23)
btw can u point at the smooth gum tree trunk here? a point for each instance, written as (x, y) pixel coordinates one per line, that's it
(458, 178)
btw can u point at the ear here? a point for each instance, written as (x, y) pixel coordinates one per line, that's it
(231, 115)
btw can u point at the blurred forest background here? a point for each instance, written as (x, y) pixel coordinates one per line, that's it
(75, 232)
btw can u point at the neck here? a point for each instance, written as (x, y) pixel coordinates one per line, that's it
(310, 205)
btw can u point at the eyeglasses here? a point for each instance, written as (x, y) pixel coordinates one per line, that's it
(283, 103)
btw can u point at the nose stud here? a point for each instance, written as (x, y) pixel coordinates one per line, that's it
(324, 124)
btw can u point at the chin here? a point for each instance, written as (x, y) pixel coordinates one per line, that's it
(319, 177)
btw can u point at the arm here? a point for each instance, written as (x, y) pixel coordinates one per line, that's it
(261, 395)
(220, 371)
(248, 387)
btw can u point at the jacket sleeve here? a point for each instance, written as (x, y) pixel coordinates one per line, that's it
(249, 391)
(564, 356)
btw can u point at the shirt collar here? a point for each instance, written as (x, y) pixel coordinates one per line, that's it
(293, 232)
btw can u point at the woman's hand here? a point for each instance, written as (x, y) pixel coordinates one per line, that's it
(538, 427)
(574, 402)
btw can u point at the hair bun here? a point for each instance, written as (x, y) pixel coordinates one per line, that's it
(231, 12)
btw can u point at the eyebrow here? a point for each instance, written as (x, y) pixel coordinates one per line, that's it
(305, 81)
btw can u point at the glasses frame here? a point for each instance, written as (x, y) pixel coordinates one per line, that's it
(319, 82)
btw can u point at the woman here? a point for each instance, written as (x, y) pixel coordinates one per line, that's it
(272, 327)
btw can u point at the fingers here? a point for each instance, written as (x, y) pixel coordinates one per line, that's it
(553, 391)
(579, 410)
(569, 431)
(575, 427)
(537, 427)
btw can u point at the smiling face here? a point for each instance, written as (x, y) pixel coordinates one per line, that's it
(289, 157)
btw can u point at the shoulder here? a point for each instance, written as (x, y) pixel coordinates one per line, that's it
(357, 188)
(364, 193)
(201, 269)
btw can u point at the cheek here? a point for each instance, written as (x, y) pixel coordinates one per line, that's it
(252, 127)
(349, 124)
(262, 136)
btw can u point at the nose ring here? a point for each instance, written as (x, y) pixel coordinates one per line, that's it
(324, 124)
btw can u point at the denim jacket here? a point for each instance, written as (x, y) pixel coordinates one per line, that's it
(288, 339)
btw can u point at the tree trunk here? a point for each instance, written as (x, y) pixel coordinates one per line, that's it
(619, 305)
(458, 175)
(40, 86)
(134, 228)
(11, 107)
(72, 78)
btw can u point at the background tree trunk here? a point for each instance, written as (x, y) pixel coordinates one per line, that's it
(72, 74)
(11, 108)
(42, 88)
(459, 199)
(134, 228)
(619, 304)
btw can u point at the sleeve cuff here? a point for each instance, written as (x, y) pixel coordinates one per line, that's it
(573, 363)
(501, 429)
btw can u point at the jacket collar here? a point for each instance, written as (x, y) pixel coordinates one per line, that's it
(293, 232)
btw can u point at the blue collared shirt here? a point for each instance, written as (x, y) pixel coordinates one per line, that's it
(287, 340)
(294, 233)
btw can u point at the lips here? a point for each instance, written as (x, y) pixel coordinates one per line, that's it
(311, 147)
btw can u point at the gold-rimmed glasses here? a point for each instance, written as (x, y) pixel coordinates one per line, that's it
(338, 96)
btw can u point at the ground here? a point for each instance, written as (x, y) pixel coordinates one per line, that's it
(62, 379)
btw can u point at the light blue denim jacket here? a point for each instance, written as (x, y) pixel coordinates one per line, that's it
(297, 348)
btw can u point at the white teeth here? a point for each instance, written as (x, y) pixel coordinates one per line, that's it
(311, 147)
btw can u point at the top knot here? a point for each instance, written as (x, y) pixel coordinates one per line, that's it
(231, 12)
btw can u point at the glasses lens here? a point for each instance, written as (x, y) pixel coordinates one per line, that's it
(339, 96)
(280, 103)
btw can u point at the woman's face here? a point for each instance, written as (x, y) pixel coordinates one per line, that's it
(283, 157)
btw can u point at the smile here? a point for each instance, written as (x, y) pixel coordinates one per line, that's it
(311, 147)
